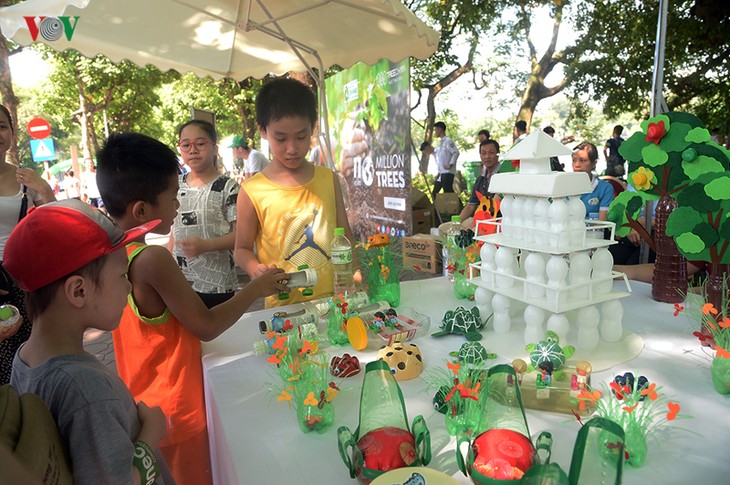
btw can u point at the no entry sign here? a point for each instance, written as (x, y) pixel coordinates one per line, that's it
(39, 128)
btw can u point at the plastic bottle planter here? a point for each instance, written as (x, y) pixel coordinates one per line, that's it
(336, 318)
(502, 450)
(316, 417)
(383, 440)
(720, 370)
(388, 290)
(462, 288)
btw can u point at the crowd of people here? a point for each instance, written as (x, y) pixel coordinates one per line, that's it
(604, 187)
(80, 268)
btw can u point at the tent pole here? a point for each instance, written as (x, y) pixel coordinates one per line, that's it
(658, 104)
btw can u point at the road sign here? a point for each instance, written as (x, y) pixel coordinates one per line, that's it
(39, 128)
(42, 150)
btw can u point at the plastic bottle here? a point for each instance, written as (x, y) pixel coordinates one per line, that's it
(448, 232)
(341, 250)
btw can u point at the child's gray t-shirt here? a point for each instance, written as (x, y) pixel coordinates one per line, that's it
(95, 413)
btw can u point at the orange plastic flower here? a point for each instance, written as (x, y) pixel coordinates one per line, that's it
(720, 352)
(724, 323)
(280, 341)
(310, 399)
(630, 409)
(284, 396)
(454, 366)
(650, 391)
(708, 308)
(673, 410)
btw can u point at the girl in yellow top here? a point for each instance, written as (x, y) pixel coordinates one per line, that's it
(290, 209)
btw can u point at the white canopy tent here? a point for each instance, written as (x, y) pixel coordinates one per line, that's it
(227, 38)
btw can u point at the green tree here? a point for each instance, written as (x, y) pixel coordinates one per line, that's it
(618, 40)
(82, 91)
(700, 224)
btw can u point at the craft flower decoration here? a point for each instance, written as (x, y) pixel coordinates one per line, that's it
(637, 405)
(463, 251)
(642, 178)
(715, 334)
(655, 132)
(461, 394)
(382, 262)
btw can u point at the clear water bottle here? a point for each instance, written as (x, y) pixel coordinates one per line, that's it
(448, 232)
(341, 251)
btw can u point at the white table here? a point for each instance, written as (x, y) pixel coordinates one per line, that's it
(256, 440)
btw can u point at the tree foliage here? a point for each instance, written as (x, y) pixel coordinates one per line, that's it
(618, 60)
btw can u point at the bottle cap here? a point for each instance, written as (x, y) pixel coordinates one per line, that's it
(455, 218)
(357, 333)
(339, 231)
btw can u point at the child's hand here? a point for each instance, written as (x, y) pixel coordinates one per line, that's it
(192, 246)
(153, 423)
(260, 269)
(7, 332)
(271, 282)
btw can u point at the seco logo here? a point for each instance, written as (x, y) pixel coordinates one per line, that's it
(418, 246)
(51, 28)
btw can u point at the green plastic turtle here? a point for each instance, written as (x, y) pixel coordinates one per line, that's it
(472, 353)
(462, 322)
(549, 350)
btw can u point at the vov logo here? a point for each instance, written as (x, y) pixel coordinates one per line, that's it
(51, 28)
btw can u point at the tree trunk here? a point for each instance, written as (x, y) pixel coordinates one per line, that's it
(669, 281)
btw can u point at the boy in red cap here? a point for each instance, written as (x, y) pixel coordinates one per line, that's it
(69, 259)
(157, 344)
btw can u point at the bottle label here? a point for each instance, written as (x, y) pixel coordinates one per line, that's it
(341, 256)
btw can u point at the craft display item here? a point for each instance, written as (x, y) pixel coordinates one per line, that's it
(463, 251)
(383, 263)
(383, 440)
(10, 319)
(404, 360)
(540, 391)
(460, 394)
(473, 353)
(385, 327)
(345, 366)
(549, 357)
(640, 410)
(500, 450)
(502, 454)
(715, 322)
(303, 279)
(461, 322)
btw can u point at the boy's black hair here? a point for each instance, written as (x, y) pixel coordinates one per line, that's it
(132, 167)
(440, 124)
(425, 145)
(549, 130)
(521, 125)
(284, 98)
(590, 149)
(485, 133)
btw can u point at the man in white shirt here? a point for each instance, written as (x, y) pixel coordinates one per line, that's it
(254, 160)
(446, 155)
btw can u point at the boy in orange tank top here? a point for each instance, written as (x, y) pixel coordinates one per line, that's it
(157, 344)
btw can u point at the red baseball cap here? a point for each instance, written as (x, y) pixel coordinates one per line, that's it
(58, 238)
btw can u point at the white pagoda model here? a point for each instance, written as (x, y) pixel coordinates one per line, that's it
(547, 255)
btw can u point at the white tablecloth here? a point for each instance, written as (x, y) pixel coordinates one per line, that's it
(256, 440)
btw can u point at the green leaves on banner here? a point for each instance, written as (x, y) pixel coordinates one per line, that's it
(653, 155)
(698, 135)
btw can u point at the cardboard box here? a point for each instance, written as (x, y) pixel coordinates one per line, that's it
(421, 220)
(421, 253)
(421, 213)
(447, 204)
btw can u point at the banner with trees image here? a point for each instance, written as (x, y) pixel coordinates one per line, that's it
(369, 118)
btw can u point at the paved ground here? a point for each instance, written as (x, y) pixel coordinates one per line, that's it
(100, 344)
